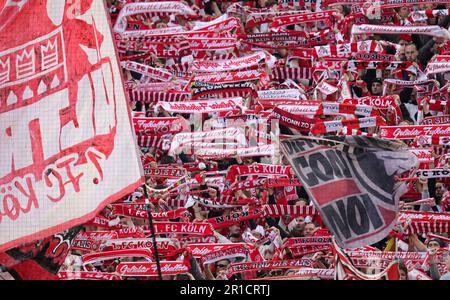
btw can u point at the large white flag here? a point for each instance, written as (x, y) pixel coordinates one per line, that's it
(66, 141)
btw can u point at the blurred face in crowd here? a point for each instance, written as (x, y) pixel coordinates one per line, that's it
(212, 193)
(222, 265)
(300, 224)
(440, 190)
(404, 12)
(377, 88)
(403, 43)
(403, 275)
(427, 6)
(256, 234)
(263, 3)
(433, 244)
(248, 160)
(268, 254)
(234, 229)
(301, 202)
(235, 238)
(338, 8)
(401, 54)
(411, 52)
(309, 229)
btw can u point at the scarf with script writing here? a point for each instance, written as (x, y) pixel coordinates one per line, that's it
(435, 31)
(137, 269)
(425, 222)
(157, 8)
(84, 275)
(413, 131)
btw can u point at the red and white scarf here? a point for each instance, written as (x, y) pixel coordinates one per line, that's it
(424, 155)
(324, 274)
(256, 169)
(436, 120)
(216, 154)
(278, 210)
(301, 250)
(380, 102)
(236, 217)
(308, 241)
(137, 269)
(212, 203)
(435, 31)
(321, 128)
(96, 257)
(413, 131)
(346, 50)
(154, 97)
(83, 275)
(202, 229)
(282, 182)
(157, 8)
(124, 210)
(440, 64)
(233, 64)
(236, 251)
(164, 172)
(269, 265)
(425, 222)
(433, 173)
(90, 241)
(226, 77)
(221, 135)
(148, 71)
(212, 44)
(103, 222)
(218, 25)
(326, 15)
(203, 106)
(333, 108)
(152, 126)
(423, 15)
(280, 94)
(166, 247)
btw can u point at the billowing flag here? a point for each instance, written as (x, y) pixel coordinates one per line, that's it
(66, 141)
(351, 181)
(39, 260)
(346, 270)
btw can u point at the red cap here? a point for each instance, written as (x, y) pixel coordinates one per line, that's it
(405, 37)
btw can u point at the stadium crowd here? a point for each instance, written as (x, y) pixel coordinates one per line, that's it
(215, 86)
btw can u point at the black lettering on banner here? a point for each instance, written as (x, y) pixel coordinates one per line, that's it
(298, 146)
(310, 179)
(325, 172)
(339, 225)
(340, 167)
(358, 212)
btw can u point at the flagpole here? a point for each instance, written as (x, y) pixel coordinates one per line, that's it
(152, 230)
